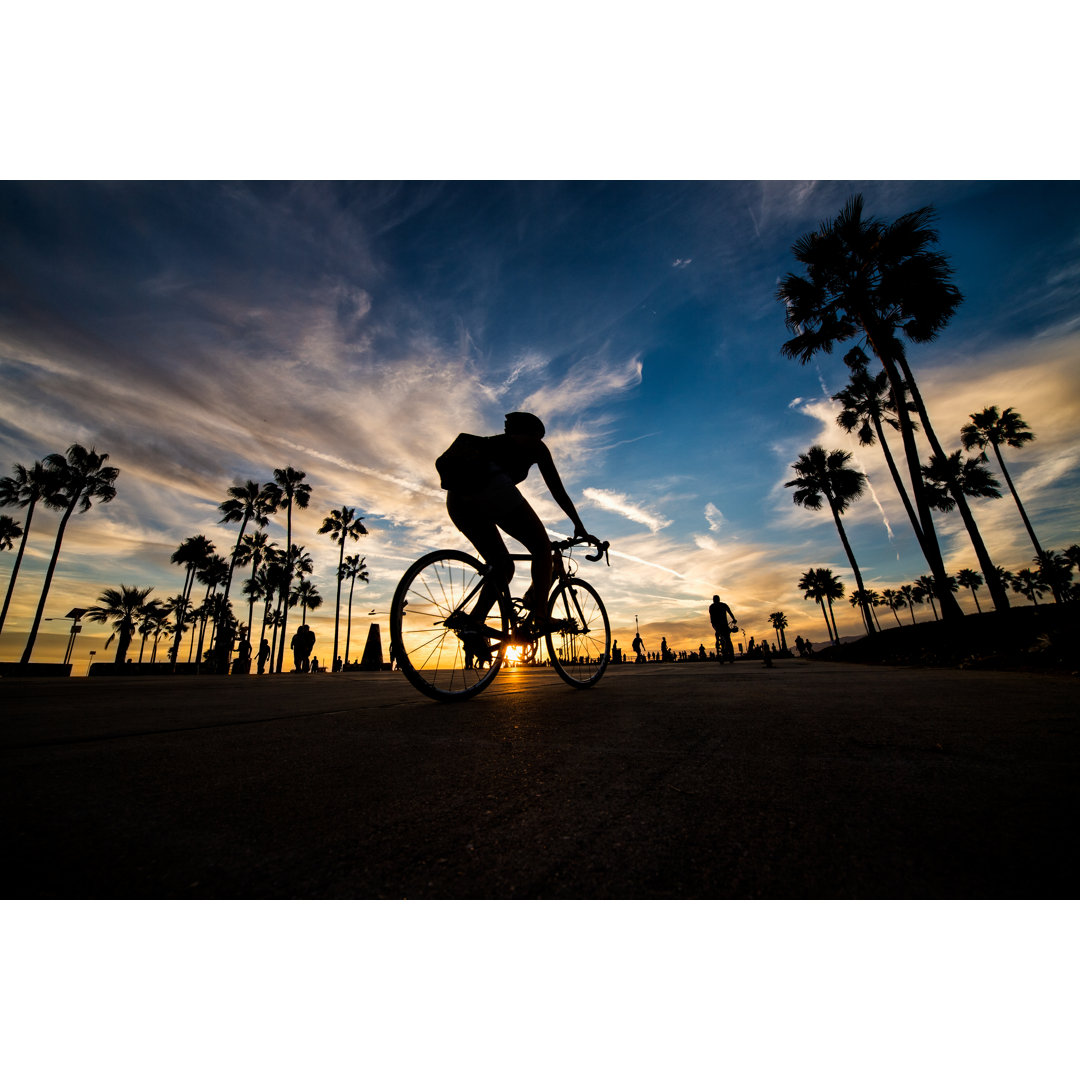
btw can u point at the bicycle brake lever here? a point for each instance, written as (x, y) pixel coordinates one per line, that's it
(601, 552)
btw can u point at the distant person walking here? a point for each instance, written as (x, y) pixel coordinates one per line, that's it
(264, 655)
(723, 623)
(639, 649)
(303, 641)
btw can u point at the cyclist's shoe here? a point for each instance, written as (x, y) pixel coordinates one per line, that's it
(538, 625)
(462, 621)
(477, 648)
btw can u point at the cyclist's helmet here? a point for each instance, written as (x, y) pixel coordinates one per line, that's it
(523, 423)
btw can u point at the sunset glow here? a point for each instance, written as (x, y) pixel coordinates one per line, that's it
(202, 335)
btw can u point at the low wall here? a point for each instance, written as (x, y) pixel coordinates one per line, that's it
(34, 671)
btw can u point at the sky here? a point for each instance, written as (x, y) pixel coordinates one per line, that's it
(204, 334)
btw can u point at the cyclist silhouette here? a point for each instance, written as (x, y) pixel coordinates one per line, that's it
(480, 475)
(719, 614)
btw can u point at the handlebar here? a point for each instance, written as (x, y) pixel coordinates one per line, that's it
(573, 541)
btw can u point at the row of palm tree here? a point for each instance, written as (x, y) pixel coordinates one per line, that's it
(61, 482)
(880, 283)
(279, 577)
(1051, 574)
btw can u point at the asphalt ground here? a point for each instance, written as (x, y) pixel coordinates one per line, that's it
(668, 781)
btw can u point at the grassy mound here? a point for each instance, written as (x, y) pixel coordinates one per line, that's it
(1046, 638)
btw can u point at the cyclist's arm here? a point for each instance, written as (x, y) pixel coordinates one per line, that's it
(558, 492)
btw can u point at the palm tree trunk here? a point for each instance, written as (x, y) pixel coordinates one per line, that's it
(867, 621)
(48, 579)
(348, 623)
(997, 590)
(884, 346)
(975, 597)
(288, 583)
(828, 628)
(894, 472)
(18, 562)
(337, 605)
(911, 608)
(1039, 553)
(835, 632)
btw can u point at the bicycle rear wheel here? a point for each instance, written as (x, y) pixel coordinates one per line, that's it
(447, 663)
(580, 645)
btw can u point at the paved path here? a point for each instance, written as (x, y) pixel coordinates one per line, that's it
(669, 781)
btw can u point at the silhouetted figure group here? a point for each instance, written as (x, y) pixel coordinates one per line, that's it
(303, 641)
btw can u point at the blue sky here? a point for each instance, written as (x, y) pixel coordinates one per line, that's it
(204, 334)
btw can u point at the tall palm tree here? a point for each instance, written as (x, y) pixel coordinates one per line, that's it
(353, 568)
(287, 490)
(193, 554)
(823, 586)
(876, 281)
(24, 488)
(247, 502)
(869, 600)
(1028, 583)
(342, 525)
(991, 428)
(950, 480)
(912, 595)
(253, 549)
(928, 587)
(826, 476)
(81, 478)
(153, 614)
(868, 406)
(125, 607)
(893, 601)
(779, 623)
(212, 573)
(971, 579)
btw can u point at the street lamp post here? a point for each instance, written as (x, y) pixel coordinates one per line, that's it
(75, 614)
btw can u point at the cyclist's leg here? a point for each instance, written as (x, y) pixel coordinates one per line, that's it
(472, 515)
(519, 520)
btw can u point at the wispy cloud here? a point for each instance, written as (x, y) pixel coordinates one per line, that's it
(620, 504)
(713, 517)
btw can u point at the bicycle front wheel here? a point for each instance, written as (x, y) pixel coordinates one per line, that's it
(579, 643)
(447, 663)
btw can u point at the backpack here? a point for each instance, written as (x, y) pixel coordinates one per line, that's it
(464, 462)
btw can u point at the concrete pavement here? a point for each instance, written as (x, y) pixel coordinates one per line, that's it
(669, 781)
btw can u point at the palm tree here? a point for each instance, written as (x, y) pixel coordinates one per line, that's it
(1028, 583)
(779, 623)
(1055, 573)
(288, 490)
(307, 595)
(353, 568)
(253, 549)
(869, 600)
(10, 531)
(247, 502)
(813, 588)
(832, 589)
(949, 480)
(24, 488)
(125, 606)
(80, 477)
(868, 405)
(212, 573)
(989, 428)
(926, 587)
(821, 475)
(876, 281)
(912, 595)
(971, 579)
(193, 554)
(893, 601)
(152, 616)
(342, 525)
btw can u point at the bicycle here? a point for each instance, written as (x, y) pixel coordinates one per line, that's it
(449, 655)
